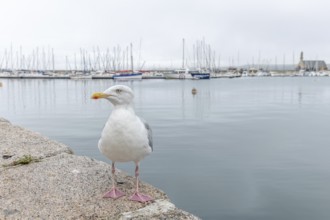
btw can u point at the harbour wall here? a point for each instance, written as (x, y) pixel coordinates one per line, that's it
(42, 179)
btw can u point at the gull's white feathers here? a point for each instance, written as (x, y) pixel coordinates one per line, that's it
(125, 136)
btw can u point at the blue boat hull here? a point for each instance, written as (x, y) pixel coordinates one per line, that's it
(128, 76)
(200, 75)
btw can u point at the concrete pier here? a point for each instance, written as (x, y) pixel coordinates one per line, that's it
(43, 179)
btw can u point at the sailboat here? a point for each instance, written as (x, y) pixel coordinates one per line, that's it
(182, 73)
(84, 74)
(128, 75)
(178, 74)
(199, 74)
(202, 61)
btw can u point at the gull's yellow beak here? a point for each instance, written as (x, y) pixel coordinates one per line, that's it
(99, 95)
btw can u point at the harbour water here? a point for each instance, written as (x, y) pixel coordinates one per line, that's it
(244, 148)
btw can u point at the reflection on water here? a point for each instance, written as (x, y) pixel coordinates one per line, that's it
(252, 148)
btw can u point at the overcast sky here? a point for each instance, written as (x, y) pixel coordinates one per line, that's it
(240, 31)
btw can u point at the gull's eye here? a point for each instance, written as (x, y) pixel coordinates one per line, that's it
(118, 91)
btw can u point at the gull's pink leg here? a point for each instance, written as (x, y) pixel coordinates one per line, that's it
(114, 193)
(137, 196)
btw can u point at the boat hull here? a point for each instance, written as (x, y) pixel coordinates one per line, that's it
(200, 75)
(178, 74)
(81, 77)
(128, 76)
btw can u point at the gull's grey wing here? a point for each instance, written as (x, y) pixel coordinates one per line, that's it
(147, 126)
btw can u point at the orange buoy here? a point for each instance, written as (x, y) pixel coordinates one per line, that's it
(194, 91)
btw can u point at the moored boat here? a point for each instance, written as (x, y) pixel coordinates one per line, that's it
(197, 74)
(178, 74)
(81, 75)
(127, 76)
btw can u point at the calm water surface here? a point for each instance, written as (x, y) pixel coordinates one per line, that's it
(249, 148)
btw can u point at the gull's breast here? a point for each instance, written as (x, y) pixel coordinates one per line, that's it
(124, 138)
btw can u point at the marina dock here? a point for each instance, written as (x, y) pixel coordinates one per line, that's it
(159, 75)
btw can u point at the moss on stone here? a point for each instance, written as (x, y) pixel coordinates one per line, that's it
(24, 160)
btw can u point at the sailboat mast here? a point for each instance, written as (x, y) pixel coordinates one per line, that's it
(183, 53)
(127, 58)
(132, 67)
(53, 59)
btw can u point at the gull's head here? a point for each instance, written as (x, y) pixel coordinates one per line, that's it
(117, 95)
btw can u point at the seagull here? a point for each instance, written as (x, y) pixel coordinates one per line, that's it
(125, 137)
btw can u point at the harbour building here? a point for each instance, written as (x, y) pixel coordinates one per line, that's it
(311, 65)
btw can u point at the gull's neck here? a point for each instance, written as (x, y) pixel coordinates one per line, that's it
(127, 107)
